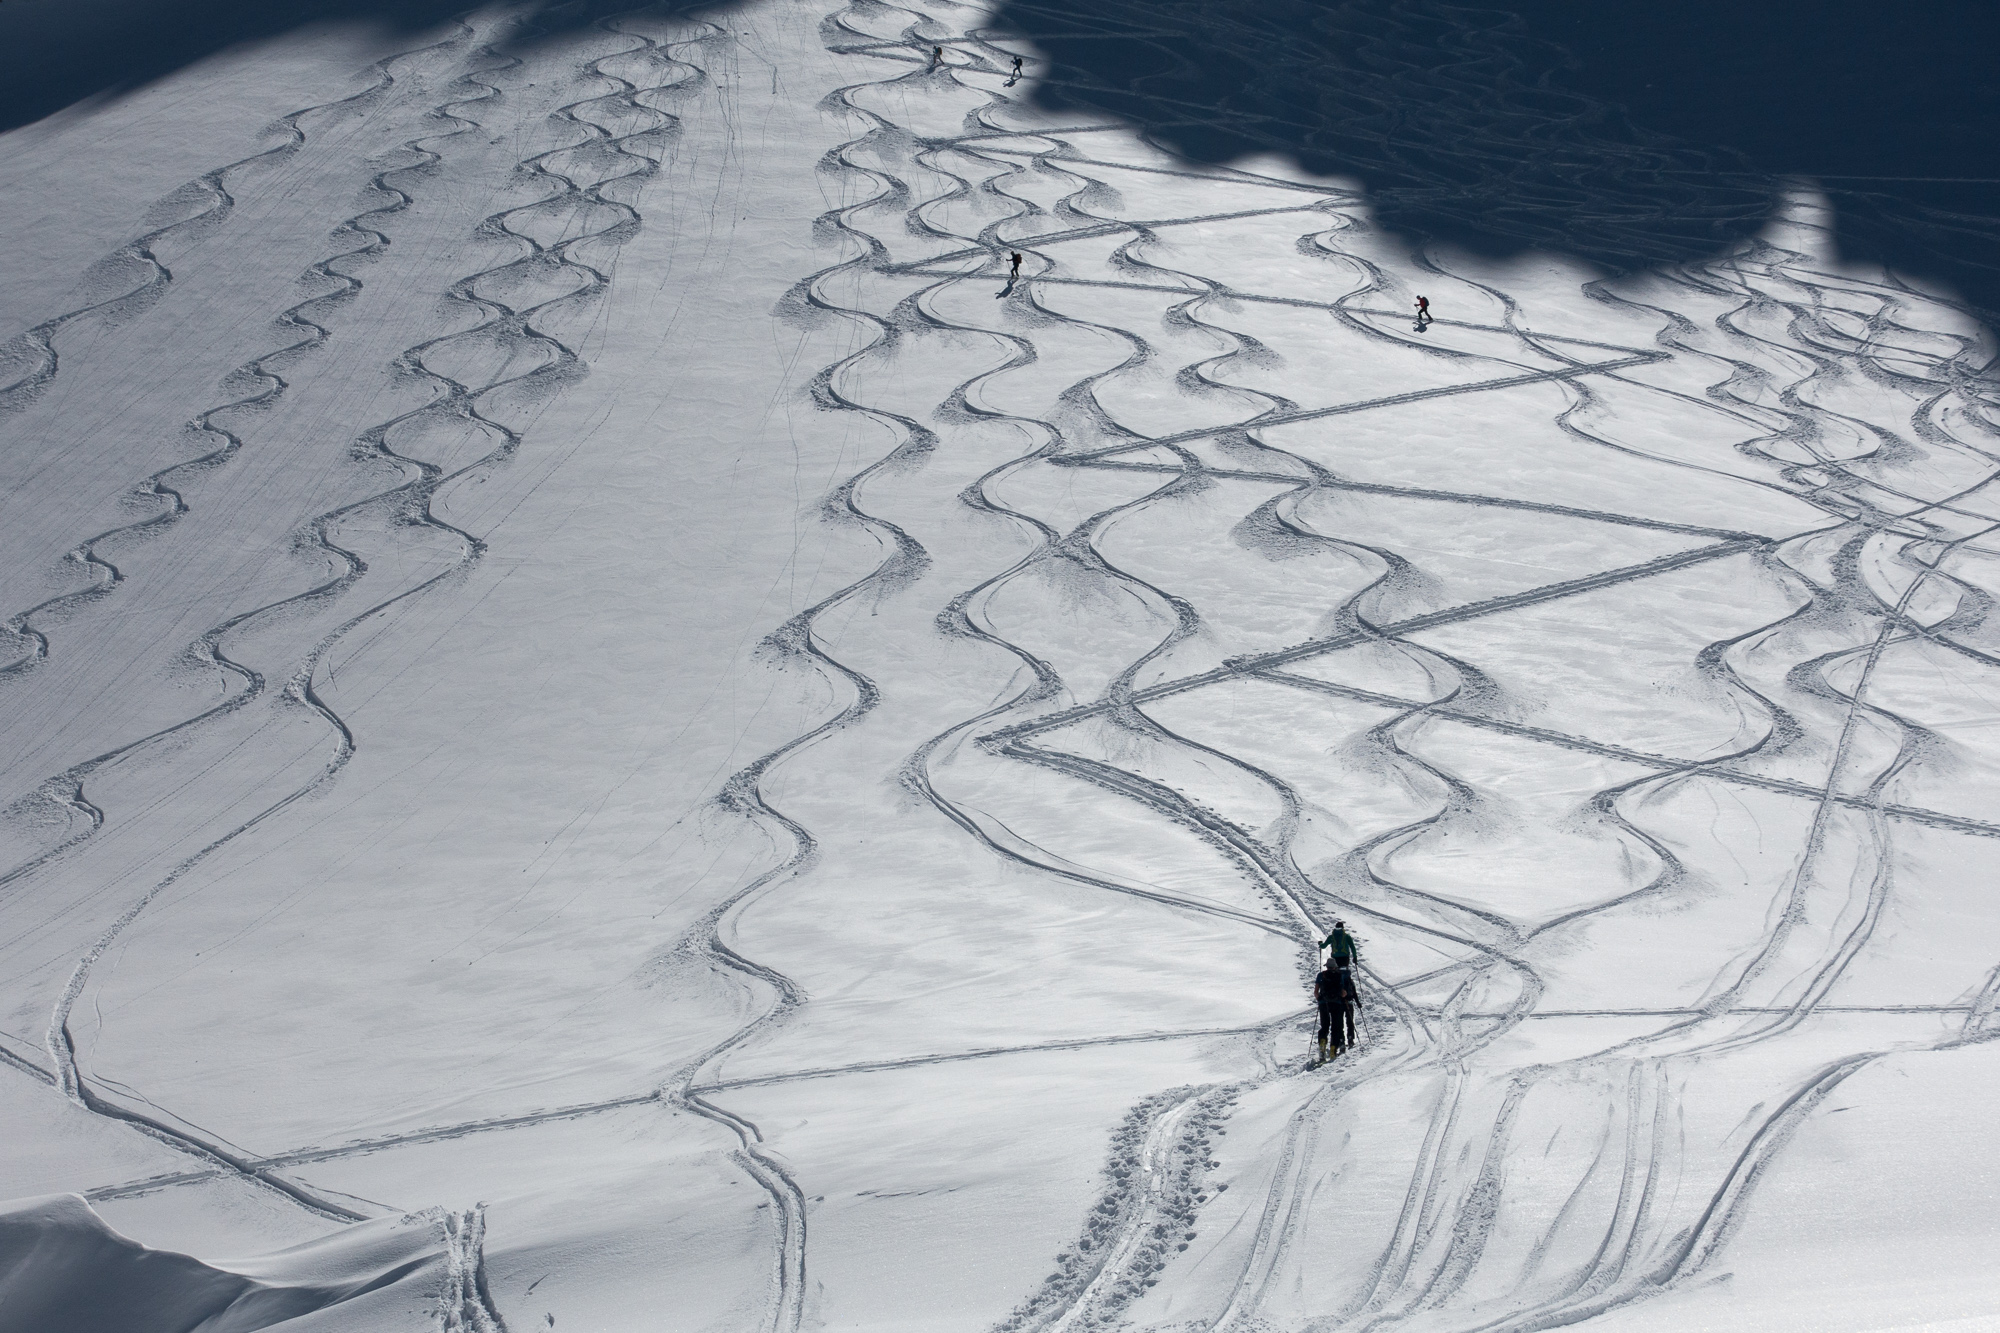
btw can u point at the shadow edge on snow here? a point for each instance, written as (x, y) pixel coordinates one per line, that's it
(63, 1269)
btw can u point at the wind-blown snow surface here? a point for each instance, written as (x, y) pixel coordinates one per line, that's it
(599, 710)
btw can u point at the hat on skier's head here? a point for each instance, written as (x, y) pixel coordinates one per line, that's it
(1339, 925)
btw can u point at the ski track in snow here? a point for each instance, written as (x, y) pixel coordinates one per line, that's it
(101, 573)
(1155, 1193)
(69, 786)
(400, 509)
(1441, 1234)
(66, 789)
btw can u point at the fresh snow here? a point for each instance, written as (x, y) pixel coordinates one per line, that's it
(604, 726)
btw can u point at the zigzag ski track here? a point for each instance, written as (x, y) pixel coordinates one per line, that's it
(1431, 1255)
(1598, 651)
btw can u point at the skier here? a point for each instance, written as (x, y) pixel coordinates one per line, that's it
(937, 56)
(1343, 1019)
(1345, 951)
(1017, 67)
(1423, 312)
(1328, 990)
(1015, 272)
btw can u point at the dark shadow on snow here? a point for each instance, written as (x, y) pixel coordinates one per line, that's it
(55, 53)
(1632, 135)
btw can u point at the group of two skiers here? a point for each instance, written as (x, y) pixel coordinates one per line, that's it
(1333, 992)
(937, 62)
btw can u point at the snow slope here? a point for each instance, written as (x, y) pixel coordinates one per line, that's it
(588, 684)
(65, 1269)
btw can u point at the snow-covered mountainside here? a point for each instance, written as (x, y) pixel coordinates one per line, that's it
(607, 723)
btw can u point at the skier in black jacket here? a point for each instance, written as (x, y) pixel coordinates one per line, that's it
(1333, 992)
(1343, 1031)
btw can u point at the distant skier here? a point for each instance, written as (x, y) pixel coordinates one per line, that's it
(1423, 313)
(937, 56)
(1017, 67)
(1333, 992)
(1015, 272)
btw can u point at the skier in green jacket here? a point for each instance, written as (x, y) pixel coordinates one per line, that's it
(1345, 951)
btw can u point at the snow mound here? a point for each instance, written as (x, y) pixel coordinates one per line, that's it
(63, 1270)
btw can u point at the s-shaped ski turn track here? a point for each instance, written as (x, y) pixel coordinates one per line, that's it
(547, 276)
(1143, 611)
(1600, 1251)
